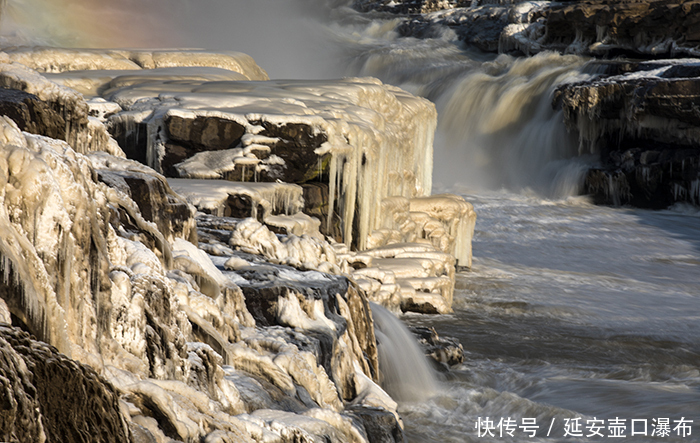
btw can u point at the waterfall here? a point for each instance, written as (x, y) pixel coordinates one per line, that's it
(497, 127)
(500, 118)
(406, 373)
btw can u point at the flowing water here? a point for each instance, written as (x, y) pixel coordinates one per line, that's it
(581, 320)
(406, 374)
(575, 318)
(571, 311)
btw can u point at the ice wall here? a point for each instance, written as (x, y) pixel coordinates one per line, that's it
(84, 271)
(377, 139)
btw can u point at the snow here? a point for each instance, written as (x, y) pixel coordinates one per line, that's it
(164, 321)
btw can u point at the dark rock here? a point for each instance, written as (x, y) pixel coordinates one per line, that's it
(624, 27)
(32, 114)
(216, 229)
(204, 133)
(408, 6)
(296, 147)
(645, 128)
(68, 399)
(479, 26)
(151, 192)
(131, 136)
(600, 28)
(65, 104)
(190, 136)
(20, 412)
(186, 137)
(316, 205)
(380, 425)
(443, 350)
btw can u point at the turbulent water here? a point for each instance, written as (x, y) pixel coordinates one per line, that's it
(575, 318)
(572, 312)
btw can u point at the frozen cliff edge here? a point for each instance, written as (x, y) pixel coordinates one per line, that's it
(641, 118)
(599, 28)
(210, 326)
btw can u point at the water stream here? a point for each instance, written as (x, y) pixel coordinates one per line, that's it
(578, 319)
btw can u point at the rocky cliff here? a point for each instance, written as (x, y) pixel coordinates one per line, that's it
(198, 309)
(639, 117)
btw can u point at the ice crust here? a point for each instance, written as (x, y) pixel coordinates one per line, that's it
(379, 137)
(56, 217)
(56, 60)
(165, 320)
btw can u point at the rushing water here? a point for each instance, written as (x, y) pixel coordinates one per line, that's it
(576, 317)
(570, 310)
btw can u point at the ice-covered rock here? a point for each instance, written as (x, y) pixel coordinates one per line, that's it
(278, 205)
(79, 130)
(32, 114)
(150, 191)
(600, 28)
(57, 60)
(47, 396)
(160, 320)
(364, 139)
(209, 335)
(641, 118)
(408, 6)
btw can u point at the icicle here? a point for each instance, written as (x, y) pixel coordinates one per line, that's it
(332, 179)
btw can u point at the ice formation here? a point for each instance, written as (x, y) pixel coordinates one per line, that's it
(173, 335)
(244, 324)
(377, 140)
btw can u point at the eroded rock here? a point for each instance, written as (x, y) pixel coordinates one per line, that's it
(51, 397)
(642, 119)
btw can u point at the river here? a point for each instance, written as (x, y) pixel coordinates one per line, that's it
(578, 319)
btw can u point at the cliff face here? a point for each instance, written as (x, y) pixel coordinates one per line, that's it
(240, 322)
(49, 397)
(643, 120)
(640, 118)
(598, 28)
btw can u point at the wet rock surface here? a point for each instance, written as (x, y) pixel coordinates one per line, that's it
(380, 426)
(48, 396)
(444, 351)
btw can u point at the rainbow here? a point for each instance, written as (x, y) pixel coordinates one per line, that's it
(91, 23)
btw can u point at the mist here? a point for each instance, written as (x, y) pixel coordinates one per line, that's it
(286, 38)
